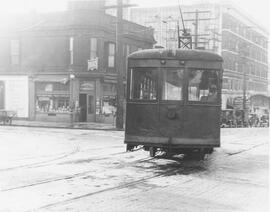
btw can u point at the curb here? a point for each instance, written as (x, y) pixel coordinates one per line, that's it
(66, 127)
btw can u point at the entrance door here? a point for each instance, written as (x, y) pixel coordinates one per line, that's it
(83, 106)
(91, 108)
(87, 105)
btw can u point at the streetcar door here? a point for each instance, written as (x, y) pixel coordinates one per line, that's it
(142, 105)
(171, 108)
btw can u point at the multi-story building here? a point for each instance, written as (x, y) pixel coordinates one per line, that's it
(227, 30)
(56, 62)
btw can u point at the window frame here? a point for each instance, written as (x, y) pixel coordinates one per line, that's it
(15, 52)
(71, 50)
(161, 80)
(131, 89)
(111, 55)
(193, 102)
(93, 48)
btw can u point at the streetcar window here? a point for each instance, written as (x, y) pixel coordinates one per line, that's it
(203, 85)
(172, 84)
(143, 84)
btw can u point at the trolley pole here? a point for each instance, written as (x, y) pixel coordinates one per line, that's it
(119, 66)
(178, 35)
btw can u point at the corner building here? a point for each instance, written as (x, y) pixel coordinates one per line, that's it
(55, 63)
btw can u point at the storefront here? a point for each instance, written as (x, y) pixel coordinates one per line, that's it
(52, 102)
(14, 94)
(88, 103)
(97, 101)
(79, 99)
(108, 103)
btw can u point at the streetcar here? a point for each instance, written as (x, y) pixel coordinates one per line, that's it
(173, 101)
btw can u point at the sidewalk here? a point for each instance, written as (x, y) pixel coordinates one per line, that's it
(65, 125)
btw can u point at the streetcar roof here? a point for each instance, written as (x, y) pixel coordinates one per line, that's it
(179, 54)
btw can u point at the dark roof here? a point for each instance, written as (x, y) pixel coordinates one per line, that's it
(179, 54)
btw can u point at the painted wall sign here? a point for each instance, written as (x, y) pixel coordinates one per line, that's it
(87, 86)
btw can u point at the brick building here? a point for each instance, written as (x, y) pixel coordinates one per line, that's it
(54, 62)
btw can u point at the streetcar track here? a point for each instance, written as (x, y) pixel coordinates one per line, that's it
(81, 174)
(44, 163)
(118, 187)
(40, 162)
(245, 150)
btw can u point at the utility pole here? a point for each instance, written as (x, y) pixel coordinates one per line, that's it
(119, 62)
(243, 54)
(119, 66)
(196, 24)
(196, 28)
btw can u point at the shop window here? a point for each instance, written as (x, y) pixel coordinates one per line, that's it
(52, 97)
(15, 52)
(108, 106)
(52, 104)
(202, 85)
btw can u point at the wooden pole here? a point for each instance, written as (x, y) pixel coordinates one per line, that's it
(119, 66)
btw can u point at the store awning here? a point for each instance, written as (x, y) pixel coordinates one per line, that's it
(61, 79)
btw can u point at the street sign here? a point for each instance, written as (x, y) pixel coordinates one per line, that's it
(92, 64)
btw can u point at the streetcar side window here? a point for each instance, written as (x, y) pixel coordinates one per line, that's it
(172, 84)
(202, 86)
(143, 84)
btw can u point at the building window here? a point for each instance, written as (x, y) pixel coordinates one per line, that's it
(15, 52)
(2, 95)
(128, 49)
(93, 48)
(111, 55)
(71, 45)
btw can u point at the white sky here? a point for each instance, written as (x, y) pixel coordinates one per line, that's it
(258, 9)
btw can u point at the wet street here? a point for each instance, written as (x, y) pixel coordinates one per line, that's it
(44, 169)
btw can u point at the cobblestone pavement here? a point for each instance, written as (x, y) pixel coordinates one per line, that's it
(46, 169)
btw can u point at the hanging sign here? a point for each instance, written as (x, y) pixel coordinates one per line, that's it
(92, 64)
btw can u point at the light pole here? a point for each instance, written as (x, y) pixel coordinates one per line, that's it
(71, 102)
